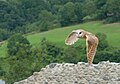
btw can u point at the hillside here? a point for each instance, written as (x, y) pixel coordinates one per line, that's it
(81, 73)
(58, 35)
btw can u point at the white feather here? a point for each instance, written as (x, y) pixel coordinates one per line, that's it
(72, 38)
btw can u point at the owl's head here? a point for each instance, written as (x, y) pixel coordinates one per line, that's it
(79, 33)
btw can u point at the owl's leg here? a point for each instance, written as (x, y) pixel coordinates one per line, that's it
(88, 47)
(91, 54)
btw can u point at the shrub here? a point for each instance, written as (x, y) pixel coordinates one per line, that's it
(103, 44)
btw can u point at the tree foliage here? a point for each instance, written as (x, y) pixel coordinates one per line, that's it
(67, 14)
(19, 15)
(103, 44)
(17, 42)
(113, 10)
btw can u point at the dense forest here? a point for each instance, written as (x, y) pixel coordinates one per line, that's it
(19, 17)
(26, 16)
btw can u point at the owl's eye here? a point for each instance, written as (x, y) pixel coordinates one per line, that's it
(80, 32)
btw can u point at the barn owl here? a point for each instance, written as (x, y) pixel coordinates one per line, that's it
(91, 42)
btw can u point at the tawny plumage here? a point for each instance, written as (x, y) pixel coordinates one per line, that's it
(91, 42)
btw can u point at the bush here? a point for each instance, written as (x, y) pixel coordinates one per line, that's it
(19, 59)
(52, 51)
(103, 56)
(15, 43)
(4, 34)
(103, 44)
(75, 54)
(71, 55)
(89, 18)
(111, 19)
(111, 55)
(2, 72)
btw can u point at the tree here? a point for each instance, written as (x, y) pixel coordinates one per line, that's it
(71, 55)
(89, 8)
(2, 72)
(17, 42)
(67, 14)
(113, 10)
(9, 17)
(20, 59)
(19, 69)
(46, 20)
(100, 3)
(78, 11)
(103, 44)
(111, 55)
(4, 34)
(101, 11)
(103, 56)
(50, 52)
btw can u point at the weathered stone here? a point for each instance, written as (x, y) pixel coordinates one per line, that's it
(80, 73)
(52, 65)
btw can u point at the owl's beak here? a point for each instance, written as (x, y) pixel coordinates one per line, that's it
(79, 36)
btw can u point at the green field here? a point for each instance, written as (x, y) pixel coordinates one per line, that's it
(58, 35)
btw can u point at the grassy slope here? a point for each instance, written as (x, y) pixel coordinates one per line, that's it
(58, 35)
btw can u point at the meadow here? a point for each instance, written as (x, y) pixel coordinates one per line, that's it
(59, 35)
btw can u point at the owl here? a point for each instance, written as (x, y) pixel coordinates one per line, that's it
(91, 42)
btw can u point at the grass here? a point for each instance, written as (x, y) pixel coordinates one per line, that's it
(3, 50)
(58, 35)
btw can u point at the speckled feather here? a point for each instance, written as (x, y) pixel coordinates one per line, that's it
(71, 39)
(91, 43)
(91, 46)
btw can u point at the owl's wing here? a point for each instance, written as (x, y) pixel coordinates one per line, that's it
(71, 39)
(91, 46)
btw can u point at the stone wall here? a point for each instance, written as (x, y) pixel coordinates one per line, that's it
(81, 73)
